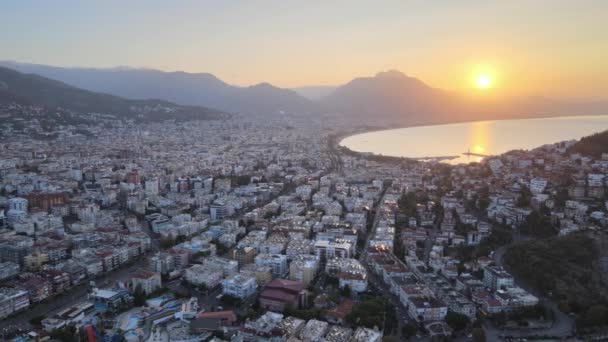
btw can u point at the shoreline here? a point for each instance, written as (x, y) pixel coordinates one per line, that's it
(344, 136)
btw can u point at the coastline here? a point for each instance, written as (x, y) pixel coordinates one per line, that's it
(345, 135)
(375, 129)
(334, 144)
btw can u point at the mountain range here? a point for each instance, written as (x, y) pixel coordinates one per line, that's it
(389, 97)
(194, 89)
(35, 90)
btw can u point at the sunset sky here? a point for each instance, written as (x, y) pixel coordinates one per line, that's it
(531, 47)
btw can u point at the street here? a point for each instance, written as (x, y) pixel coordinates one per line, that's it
(70, 297)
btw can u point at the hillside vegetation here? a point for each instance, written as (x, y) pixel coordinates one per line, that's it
(564, 268)
(593, 145)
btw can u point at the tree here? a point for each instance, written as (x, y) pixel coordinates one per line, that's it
(305, 314)
(456, 321)
(167, 243)
(37, 320)
(242, 180)
(221, 249)
(369, 313)
(561, 197)
(596, 315)
(498, 237)
(538, 225)
(461, 268)
(479, 335)
(331, 280)
(408, 330)
(231, 301)
(139, 296)
(346, 292)
(524, 197)
(463, 228)
(67, 334)
(407, 203)
(593, 145)
(563, 267)
(484, 198)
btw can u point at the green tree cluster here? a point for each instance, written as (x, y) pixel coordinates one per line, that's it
(457, 321)
(369, 313)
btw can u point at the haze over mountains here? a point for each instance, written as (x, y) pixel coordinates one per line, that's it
(314, 93)
(199, 89)
(35, 90)
(387, 98)
(397, 98)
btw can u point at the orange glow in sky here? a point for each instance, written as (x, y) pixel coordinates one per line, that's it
(540, 47)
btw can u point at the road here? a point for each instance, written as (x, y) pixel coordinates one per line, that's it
(71, 297)
(376, 281)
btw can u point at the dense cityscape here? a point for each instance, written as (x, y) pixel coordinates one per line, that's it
(303, 171)
(238, 229)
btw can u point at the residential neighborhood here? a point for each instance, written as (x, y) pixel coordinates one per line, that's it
(242, 230)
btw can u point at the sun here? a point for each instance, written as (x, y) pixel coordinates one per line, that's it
(483, 81)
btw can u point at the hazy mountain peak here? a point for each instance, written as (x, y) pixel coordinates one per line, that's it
(263, 85)
(393, 73)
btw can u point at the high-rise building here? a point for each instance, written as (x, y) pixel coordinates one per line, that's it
(239, 286)
(304, 268)
(152, 187)
(217, 211)
(277, 262)
(17, 209)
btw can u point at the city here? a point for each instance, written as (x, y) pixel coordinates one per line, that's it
(240, 230)
(303, 171)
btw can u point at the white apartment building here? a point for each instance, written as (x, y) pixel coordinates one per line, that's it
(349, 272)
(366, 335)
(162, 263)
(12, 300)
(218, 211)
(497, 278)
(17, 204)
(537, 185)
(227, 266)
(304, 268)
(276, 262)
(330, 249)
(426, 309)
(17, 209)
(8, 269)
(151, 187)
(297, 247)
(239, 286)
(199, 275)
(148, 281)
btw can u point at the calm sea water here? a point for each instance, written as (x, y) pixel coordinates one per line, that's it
(479, 137)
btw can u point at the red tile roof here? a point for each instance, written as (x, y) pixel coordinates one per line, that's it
(226, 314)
(341, 310)
(284, 284)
